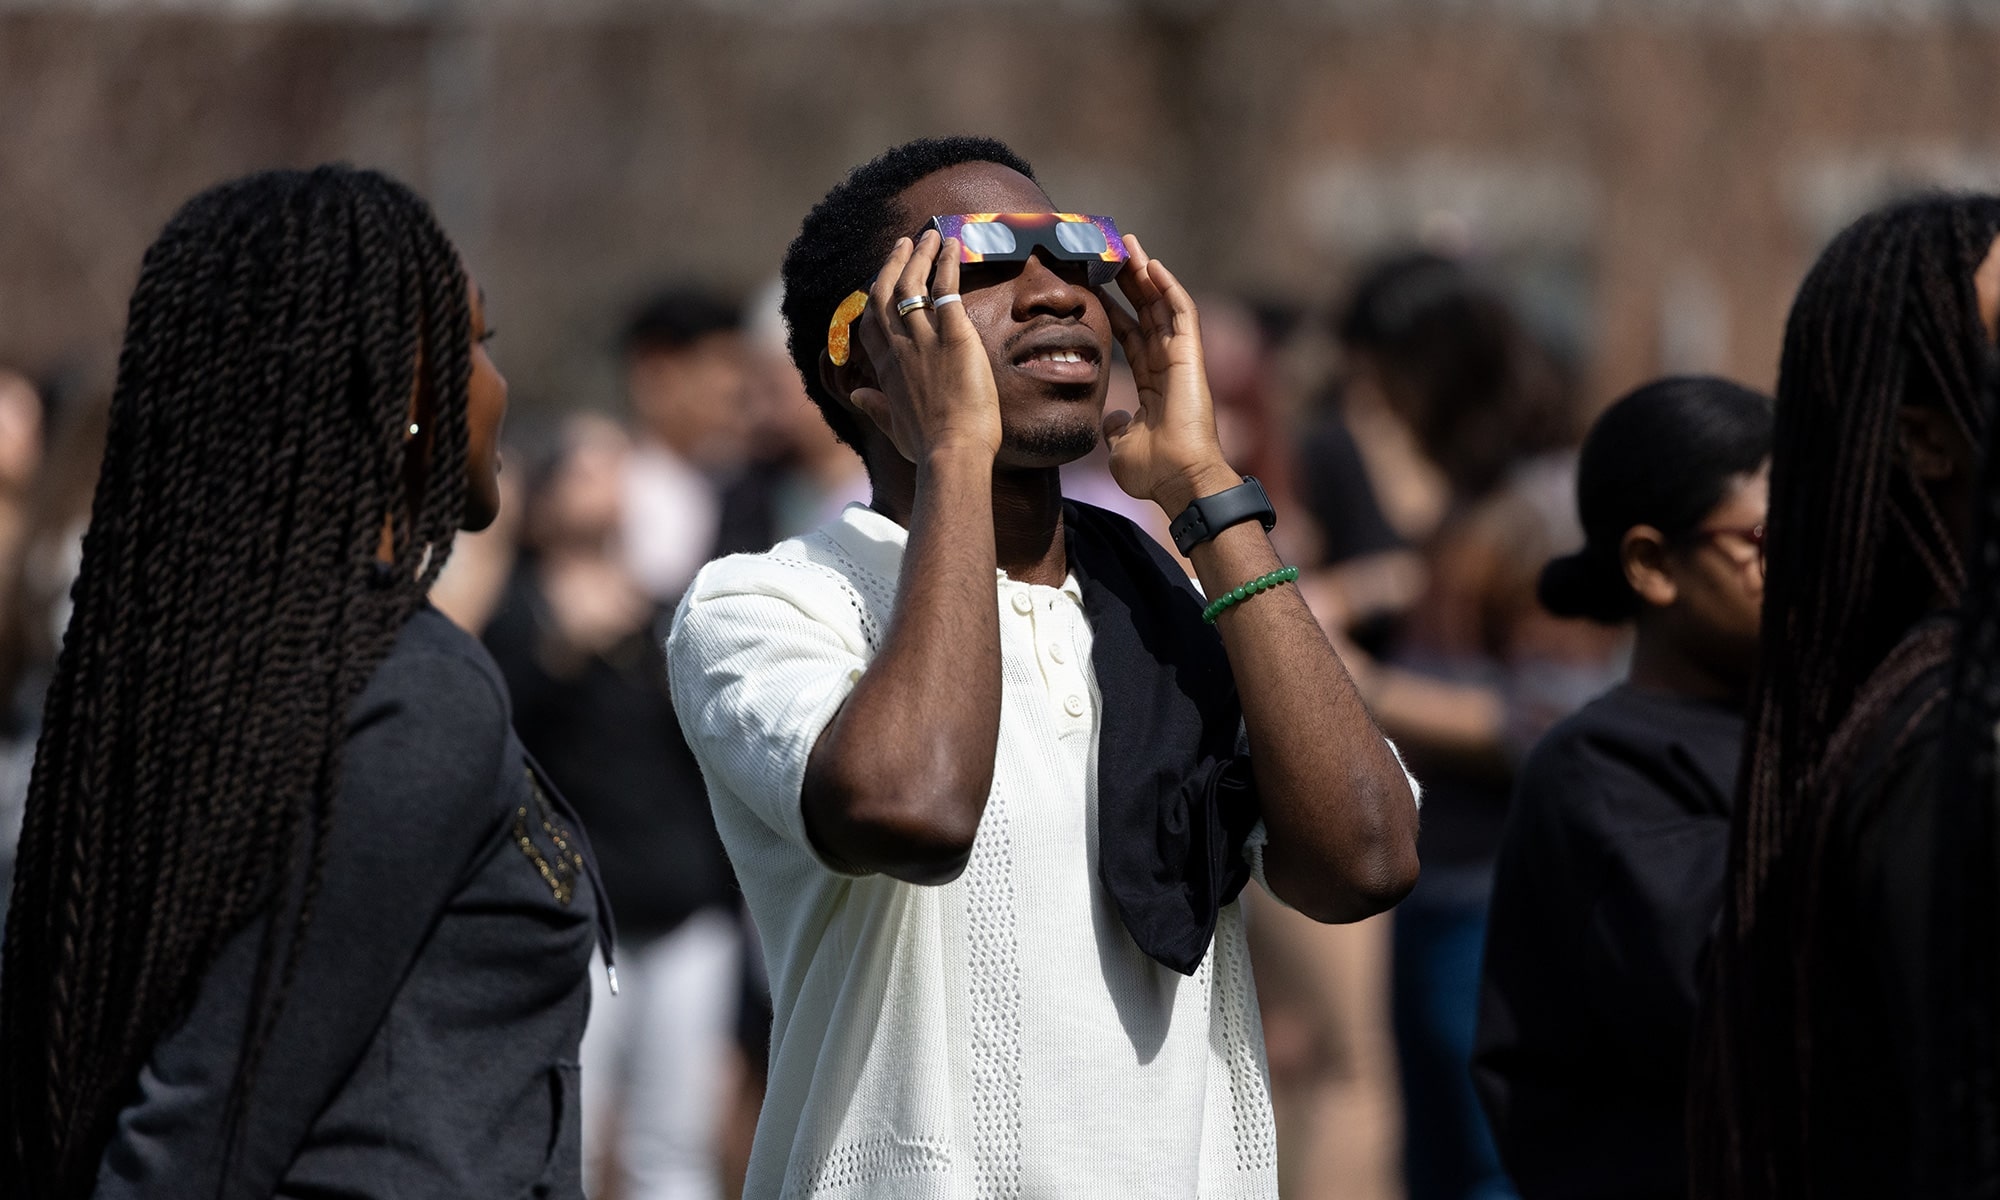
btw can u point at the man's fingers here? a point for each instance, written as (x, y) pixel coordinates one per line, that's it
(1132, 280)
(1136, 252)
(874, 404)
(1131, 338)
(882, 293)
(951, 318)
(1186, 319)
(915, 283)
(1124, 326)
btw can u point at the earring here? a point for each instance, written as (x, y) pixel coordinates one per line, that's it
(413, 429)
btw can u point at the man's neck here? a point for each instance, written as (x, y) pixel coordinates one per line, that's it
(1027, 518)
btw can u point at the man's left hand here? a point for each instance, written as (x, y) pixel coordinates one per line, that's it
(1168, 451)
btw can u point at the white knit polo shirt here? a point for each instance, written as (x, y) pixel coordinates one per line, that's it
(1000, 1035)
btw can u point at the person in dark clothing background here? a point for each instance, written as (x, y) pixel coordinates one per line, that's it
(1958, 1104)
(578, 635)
(1811, 1074)
(1473, 669)
(293, 914)
(1610, 870)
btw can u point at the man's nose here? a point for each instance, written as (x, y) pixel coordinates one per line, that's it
(1040, 288)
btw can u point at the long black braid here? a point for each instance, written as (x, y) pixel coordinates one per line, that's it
(1959, 1111)
(231, 605)
(1857, 553)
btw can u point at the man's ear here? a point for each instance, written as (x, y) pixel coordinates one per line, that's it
(841, 379)
(853, 386)
(1929, 441)
(1642, 552)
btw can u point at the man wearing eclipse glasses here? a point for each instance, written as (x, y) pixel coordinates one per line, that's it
(992, 773)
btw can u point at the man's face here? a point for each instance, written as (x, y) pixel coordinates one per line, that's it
(1050, 411)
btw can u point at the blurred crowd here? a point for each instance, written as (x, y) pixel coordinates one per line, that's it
(1426, 476)
(1418, 440)
(1421, 445)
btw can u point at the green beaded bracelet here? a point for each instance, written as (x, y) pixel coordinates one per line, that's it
(1238, 595)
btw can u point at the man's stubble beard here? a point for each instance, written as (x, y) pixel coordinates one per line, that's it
(1062, 439)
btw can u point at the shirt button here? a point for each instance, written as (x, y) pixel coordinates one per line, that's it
(1073, 706)
(1022, 604)
(1057, 653)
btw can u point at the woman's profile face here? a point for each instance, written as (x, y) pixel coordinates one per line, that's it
(1719, 573)
(485, 408)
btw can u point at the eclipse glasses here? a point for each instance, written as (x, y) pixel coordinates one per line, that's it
(1007, 237)
(1014, 237)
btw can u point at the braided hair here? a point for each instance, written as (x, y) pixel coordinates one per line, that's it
(237, 590)
(1959, 1106)
(1856, 554)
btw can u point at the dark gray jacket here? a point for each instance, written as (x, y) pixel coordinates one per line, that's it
(428, 1044)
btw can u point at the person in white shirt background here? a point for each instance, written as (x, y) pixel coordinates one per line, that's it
(687, 383)
(951, 738)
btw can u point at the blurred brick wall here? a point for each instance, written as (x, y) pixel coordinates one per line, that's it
(1655, 187)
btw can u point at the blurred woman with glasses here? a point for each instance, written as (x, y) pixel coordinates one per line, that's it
(1611, 868)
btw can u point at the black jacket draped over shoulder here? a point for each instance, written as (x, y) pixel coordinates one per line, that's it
(1176, 802)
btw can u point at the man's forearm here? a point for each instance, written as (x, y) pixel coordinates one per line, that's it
(899, 779)
(1336, 803)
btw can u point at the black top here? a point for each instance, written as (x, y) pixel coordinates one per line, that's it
(1333, 485)
(607, 735)
(1607, 889)
(1867, 1005)
(428, 1045)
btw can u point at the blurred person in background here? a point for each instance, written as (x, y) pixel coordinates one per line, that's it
(797, 476)
(1322, 989)
(1474, 669)
(283, 922)
(686, 382)
(22, 425)
(34, 594)
(1816, 1072)
(1610, 874)
(1373, 499)
(21, 446)
(578, 637)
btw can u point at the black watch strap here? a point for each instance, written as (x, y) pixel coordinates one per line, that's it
(1210, 515)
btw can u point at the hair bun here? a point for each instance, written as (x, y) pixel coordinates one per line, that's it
(1586, 584)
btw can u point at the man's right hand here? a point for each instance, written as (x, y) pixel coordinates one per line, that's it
(935, 390)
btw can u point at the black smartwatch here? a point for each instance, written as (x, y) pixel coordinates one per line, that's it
(1210, 515)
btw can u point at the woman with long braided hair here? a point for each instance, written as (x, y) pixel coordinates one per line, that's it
(1807, 1073)
(292, 915)
(1959, 1107)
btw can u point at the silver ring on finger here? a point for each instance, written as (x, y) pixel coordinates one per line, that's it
(910, 304)
(947, 298)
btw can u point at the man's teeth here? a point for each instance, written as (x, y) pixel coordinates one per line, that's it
(1061, 356)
